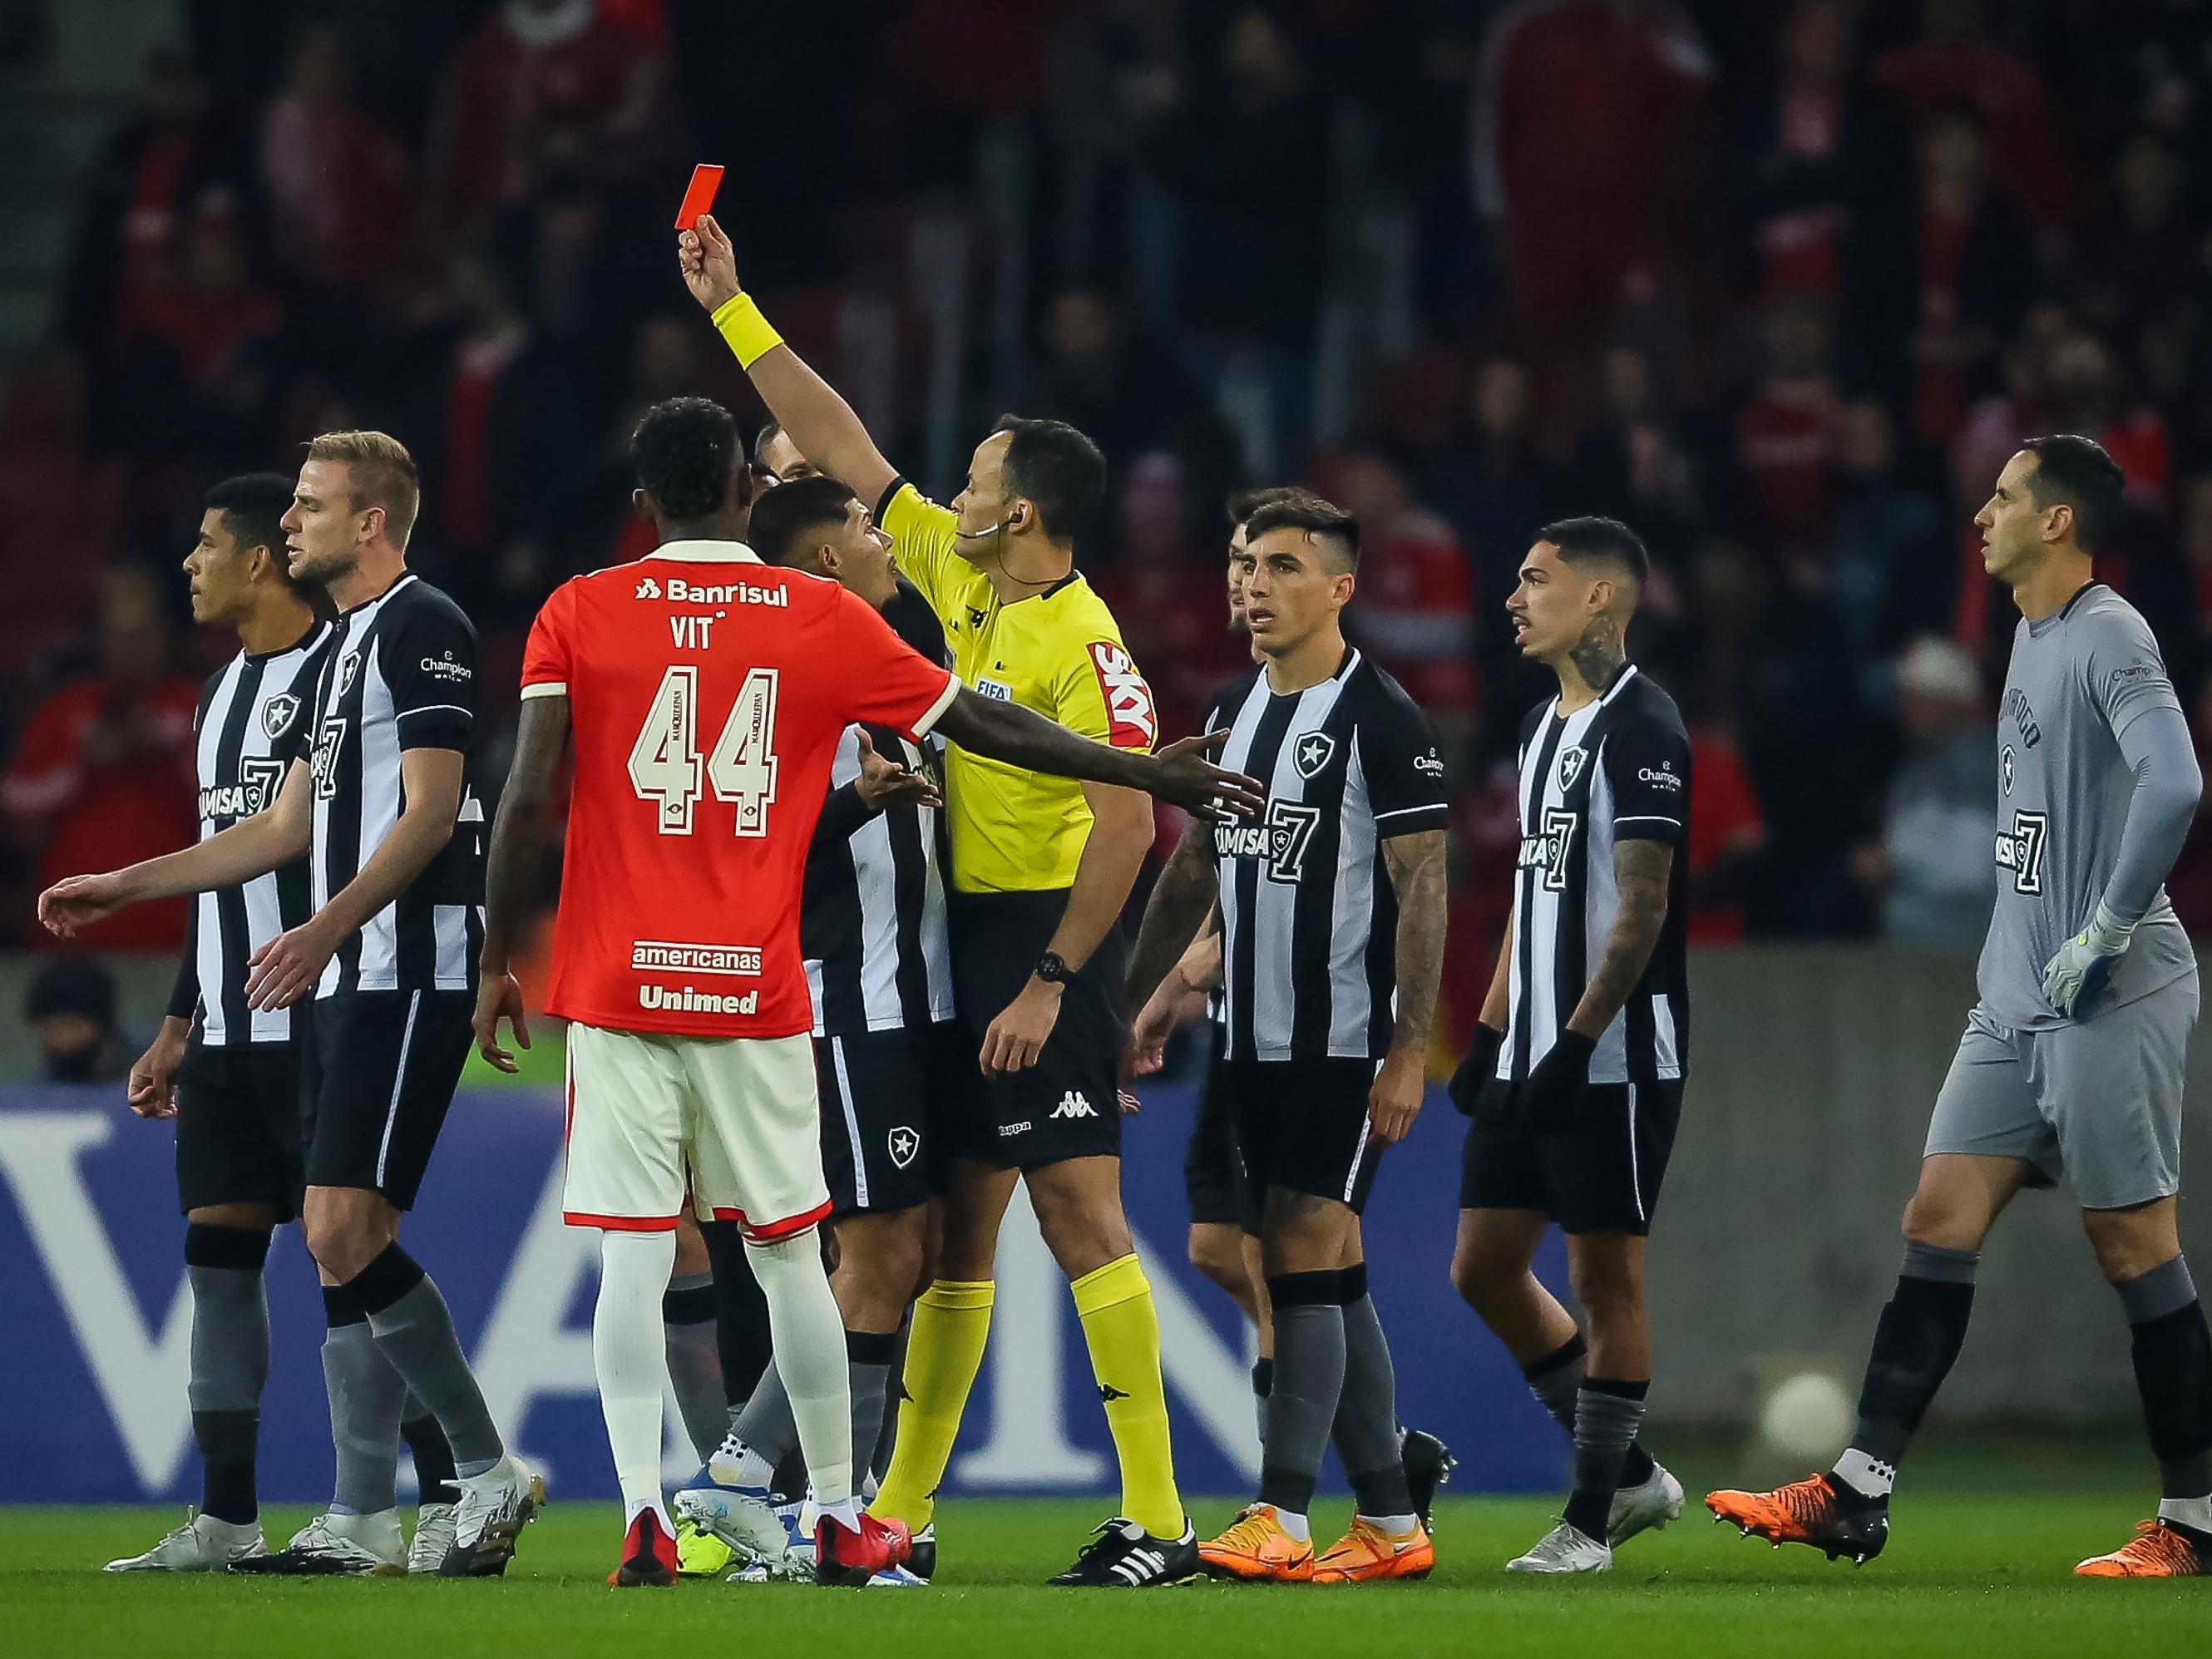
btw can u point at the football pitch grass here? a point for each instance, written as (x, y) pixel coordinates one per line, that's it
(1986, 1572)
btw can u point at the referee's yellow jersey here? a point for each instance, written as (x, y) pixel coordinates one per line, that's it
(1058, 653)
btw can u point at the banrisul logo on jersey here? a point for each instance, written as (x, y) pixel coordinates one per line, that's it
(1131, 723)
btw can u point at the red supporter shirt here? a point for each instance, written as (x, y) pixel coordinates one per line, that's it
(707, 692)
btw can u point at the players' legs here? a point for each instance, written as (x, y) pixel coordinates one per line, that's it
(1263, 1314)
(1216, 1250)
(1077, 1202)
(1492, 1262)
(226, 1246)
(741, 1335)
(630, 1357)
(1302, 1242)
(1606, 1272)
(2139, 1252)
(687, 1329)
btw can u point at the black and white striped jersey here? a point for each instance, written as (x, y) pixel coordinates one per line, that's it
(254, 715)
(871, 920)
(1308, 919)
(1616, 771)
(401, 674)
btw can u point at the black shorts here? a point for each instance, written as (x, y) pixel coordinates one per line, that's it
(1212, 1173)
(887, 1101)
(1065, 1105)
(377, 1072)
(238, 1127)
(1303, 1126)
(1599, 1174)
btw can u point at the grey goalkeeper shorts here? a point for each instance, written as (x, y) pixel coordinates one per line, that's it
(2098, 1103)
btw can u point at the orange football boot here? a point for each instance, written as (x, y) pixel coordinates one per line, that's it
(1366, 1554)
(1257, 1550)
(2157, 1551)
(1805, 1512)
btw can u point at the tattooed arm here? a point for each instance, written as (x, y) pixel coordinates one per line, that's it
(1416, 867)
(1181, 900)
(1640, 871)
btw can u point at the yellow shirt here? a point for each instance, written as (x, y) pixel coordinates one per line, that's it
(1058, 653)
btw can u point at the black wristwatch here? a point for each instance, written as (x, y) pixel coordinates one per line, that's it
(1052, 970)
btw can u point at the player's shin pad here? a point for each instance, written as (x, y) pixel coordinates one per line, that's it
(1122, 1329)
(945, 1350)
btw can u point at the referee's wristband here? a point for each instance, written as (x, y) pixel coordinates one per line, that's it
(750, 335)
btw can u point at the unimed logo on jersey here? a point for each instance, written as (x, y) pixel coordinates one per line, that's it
(682, 999)
(696, 958)
(1133, 725)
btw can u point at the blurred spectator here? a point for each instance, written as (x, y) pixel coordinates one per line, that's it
(70, 1009)
(1932, 864)
(1786, 432)
(104, 775)
(530, 63)
(1892, 571)
(1726, 835)
(1585, 135)
(1502, 496)
(1415, 608)
(339, 185)
(1953, 66)
(1637, 465)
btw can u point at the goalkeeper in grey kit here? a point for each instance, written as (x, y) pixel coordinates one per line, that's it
(2072, 1059)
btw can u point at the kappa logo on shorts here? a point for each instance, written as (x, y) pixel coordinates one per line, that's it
(1009, 1129)
(1314, 750)
(904, 1144)
(1131, 723)
(1571, 764)
(278, 714)
(1072, 1105)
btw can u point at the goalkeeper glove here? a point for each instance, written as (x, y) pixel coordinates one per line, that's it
(2084, 963)
(1552, 1096)
(1478, 1069)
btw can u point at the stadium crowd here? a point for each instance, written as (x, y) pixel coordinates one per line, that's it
(1782, 285)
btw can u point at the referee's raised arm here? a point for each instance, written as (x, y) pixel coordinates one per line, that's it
(821, 423)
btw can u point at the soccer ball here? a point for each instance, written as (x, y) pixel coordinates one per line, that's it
(1807, 1417)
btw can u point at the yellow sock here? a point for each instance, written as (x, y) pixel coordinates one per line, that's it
(1123, 1331)
(944, 1351)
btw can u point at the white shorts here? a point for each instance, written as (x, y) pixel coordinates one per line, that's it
(736, 1121)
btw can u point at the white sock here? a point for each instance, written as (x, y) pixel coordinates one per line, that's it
(845, 1515)
(1297, 1525)
(1870, 1477)
(1396, 1525)
(632, 1510)
(2190, 1511)
(630, 1354)
(751, 1469)
(808, 1337)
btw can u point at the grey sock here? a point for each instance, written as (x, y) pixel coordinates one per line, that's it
(894, 1391)
(366, 1399)
(229, 1364)
(766, 1425)
(416, 1332)
(1934, 1261)
(695, 1359)
(1365, 1430)
(1557, 1379)
(2165, 1289)
(1309, 1382)
(868, 1357)
(1606, 1417)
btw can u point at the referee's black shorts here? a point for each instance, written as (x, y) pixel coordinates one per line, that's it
(377, 1071)
(1599, 1173)
(238, 1127)
(1064, 1106)
(1212, 1173)
(1303, 1126)
(888, 1104)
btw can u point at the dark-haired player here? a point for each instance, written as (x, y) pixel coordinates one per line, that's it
(708, 693)
(2072, 1062)
(229, 1075)
(1332, 932)
(1041, 868)
(381, 971)
(1573, 1083)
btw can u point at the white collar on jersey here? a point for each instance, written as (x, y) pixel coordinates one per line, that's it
(701, 552)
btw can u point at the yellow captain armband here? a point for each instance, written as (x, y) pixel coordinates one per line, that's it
(750, 335)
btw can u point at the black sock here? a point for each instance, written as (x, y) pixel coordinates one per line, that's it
(2172, 1349)
(227, 1443)
(1921, 1327)
(741, 1312)
(434, 1457)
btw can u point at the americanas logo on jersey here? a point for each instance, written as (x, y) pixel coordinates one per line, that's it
(1131, 723)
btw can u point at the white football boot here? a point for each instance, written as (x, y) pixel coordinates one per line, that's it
(1645, 1508)
(203, 1544)
(1565, 1549)
(434, 1537)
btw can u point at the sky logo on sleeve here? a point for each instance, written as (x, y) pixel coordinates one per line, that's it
(1132, 722)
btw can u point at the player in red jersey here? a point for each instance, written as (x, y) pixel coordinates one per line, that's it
(707, 693)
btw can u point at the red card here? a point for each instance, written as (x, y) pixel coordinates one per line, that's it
(706, 179)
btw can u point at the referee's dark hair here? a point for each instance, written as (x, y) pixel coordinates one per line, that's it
(684, 449)
(2080, 472)
(253, 505)
(785, 517)
(1060, 470)
(1591, 541)
(1301, 509)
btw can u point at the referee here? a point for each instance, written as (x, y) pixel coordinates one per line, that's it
(1040, 869)
(383, 971)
